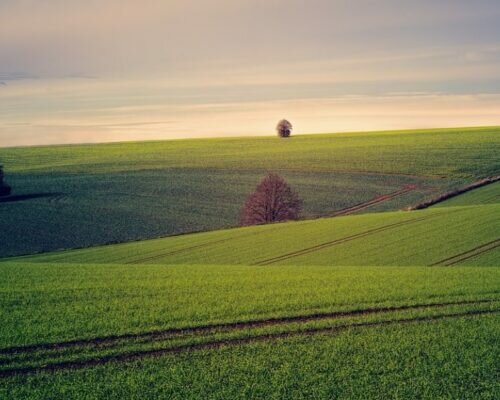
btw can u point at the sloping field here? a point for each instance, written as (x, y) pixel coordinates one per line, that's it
(436, 236)
(66, 318)
(77, 196)
(489, 194)
(383, 305)
(461, 152)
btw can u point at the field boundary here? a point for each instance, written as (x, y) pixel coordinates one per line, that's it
(217, 344)
(453, 193)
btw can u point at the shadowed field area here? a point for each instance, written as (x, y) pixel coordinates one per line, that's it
(380, 305)
(129, 191)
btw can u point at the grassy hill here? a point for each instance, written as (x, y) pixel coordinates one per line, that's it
(77, 196)
(424, 237)
(489, 194)
(103, 321)
(397, 304)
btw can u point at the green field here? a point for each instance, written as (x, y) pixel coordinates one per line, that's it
(429, 236)
(423, 360)
(79, 196)
(379, 305)
(106, 320)
(489, 194)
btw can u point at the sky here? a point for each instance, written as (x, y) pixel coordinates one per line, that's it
(74, 71)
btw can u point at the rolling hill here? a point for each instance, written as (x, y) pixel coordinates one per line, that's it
(381, 305)
(434, 236)
(80, 196)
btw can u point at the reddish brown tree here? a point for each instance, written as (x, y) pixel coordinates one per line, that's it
(284, 128)
(273, 201)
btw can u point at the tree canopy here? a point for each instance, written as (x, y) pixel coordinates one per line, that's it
(273, 201)
(284, 128)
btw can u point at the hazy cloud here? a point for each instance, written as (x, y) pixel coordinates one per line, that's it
(105, 69)
(55, 38)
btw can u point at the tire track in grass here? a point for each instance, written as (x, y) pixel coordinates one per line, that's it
(481, 249)
(195, 247)
(350, 238)
(346, 211)
(217, 344)
(174, 252)
(379, 199)
(231, 326)
(335, 242)
(208, 244)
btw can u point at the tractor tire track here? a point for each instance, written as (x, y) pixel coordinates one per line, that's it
(347, 239)
(230, 326)
(194, 247)
(335, 242)
(376, 200)
(346, 211)
(174, 252)
(484, 248)
(217, 344)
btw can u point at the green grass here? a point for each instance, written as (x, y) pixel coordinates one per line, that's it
(90, 300)
(462, 152)
(347, 307)
(446, 359)
(392, 238)
(136, 205)
(106, 193)
(489, 194)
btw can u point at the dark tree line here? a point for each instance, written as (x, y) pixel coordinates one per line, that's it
(273, 201)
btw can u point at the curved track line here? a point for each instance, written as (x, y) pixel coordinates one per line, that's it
(231, 326)
(137, 355)
(376, 200)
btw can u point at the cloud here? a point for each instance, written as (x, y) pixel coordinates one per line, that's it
(56, 38)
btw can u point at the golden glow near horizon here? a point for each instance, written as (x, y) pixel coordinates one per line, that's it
(87, 71)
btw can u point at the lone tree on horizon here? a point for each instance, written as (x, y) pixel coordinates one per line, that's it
(273, 201)
(284, 128)
(4, 188)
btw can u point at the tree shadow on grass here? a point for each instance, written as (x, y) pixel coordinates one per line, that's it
(28, 196)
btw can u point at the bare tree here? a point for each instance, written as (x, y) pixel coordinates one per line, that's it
(273, 201)
(284, 128)
(4, 188)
